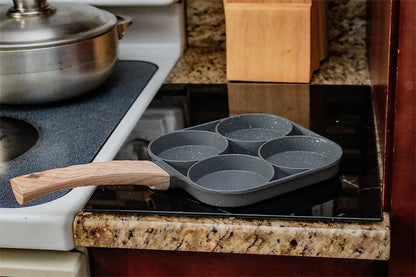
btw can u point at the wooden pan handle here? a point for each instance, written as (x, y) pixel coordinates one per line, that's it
(31, 186)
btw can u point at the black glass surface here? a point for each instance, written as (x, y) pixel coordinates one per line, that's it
(341, 113)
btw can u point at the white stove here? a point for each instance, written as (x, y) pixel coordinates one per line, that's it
(156, 36)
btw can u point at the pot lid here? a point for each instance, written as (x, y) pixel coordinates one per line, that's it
(36, 24)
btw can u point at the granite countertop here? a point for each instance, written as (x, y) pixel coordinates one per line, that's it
(231, 235)
(204, 61)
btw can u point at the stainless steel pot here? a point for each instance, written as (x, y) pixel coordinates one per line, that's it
(50, 53)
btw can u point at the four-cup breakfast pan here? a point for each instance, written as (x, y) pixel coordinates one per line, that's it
(231, 162)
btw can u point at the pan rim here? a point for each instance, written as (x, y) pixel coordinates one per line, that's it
(156, 156)
(236, 117)
(192, 182)
(335, 146)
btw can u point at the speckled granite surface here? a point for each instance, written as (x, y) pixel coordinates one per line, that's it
(347, 60)
(346, 63)
(200, 66)
(230, 235)
(205, 23)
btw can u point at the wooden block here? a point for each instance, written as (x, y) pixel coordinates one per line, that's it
(295, 2)
(315, 36)
(286, 100)
(274, 40)
(268, 41)
(321, 26)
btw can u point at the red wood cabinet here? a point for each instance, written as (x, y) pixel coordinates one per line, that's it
(125, 262)
(403, 159)
(392, 63)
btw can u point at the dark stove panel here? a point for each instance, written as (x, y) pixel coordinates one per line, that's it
(340, 113)
(73, 131)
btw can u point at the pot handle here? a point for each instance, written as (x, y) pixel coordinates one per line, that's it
(123, 22)
(31, 186)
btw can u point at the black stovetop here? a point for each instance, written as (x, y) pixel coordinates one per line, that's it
(340, 113)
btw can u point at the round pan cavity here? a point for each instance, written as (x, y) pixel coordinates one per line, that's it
(185, 148)
(231, 173)
(295, 154)
(247, 132)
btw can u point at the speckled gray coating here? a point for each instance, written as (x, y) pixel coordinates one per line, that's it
(300, 153)
(73, 131)
(231, 173)
(247, 132)
(184, 148)
(247, 182)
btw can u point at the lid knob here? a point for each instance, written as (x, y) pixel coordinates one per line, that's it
(24, 8)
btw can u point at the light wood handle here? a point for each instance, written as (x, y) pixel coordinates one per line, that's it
(31, 186)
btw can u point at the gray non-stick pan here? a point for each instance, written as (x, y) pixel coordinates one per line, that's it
(200, 161)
